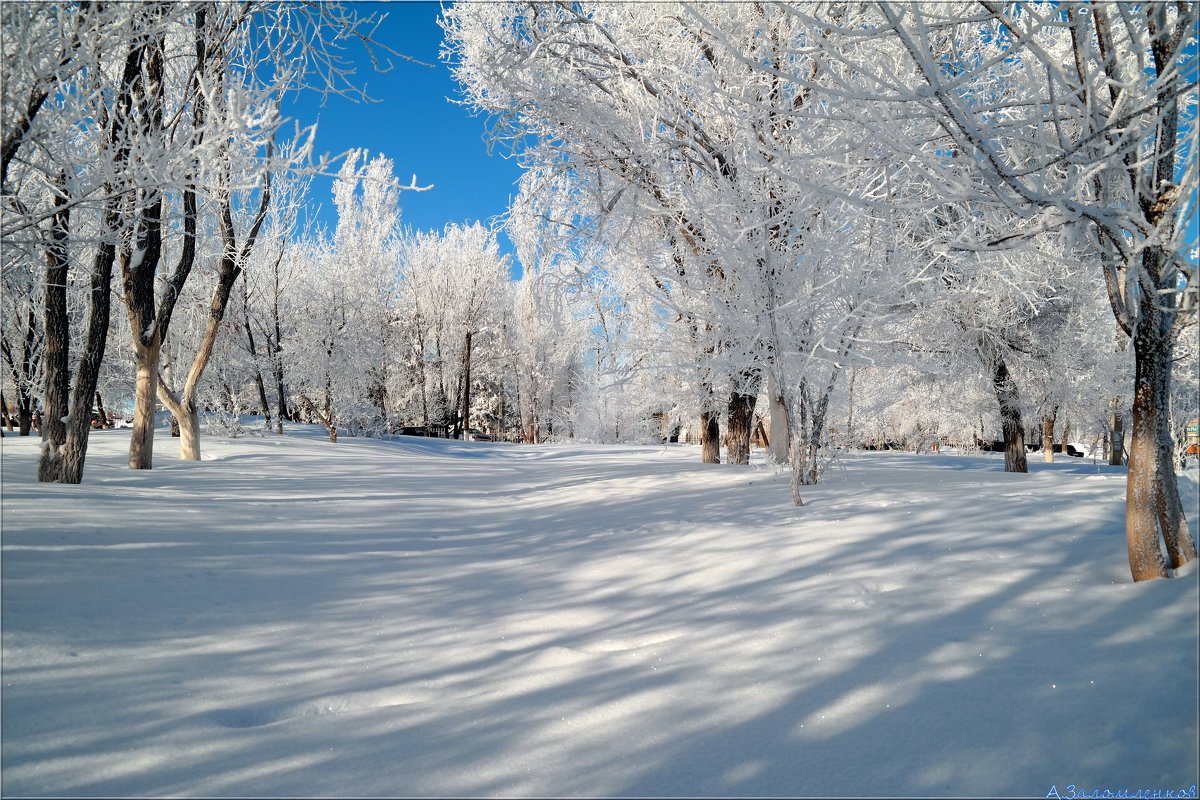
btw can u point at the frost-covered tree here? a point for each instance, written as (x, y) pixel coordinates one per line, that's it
(569, 324)
(119, 128)
(342, 300)
(69, 180)
(264, 290)
(689, 160)
(22, 337)
(593, 93)
(453, 288)
(1056, 116)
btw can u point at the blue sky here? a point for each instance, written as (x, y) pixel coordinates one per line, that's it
(415, 124)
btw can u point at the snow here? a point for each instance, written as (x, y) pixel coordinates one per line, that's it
(427, 617)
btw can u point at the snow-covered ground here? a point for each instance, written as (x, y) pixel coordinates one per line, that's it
(423, 617)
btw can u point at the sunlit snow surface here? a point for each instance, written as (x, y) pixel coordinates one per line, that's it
(294, 618)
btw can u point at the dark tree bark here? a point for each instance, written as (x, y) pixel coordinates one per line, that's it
(105, 420)
(740, 426)
(20, 128)
(25, 417)
(1010, 418)
(1153, 510)
(258, 378)
(466, 390)
(710, 437)
(330, 422)
(1116, 445)
(274, 347)
(1048, 438)
(281, 412)
(51, 467)
(455, 413)
(65, 443)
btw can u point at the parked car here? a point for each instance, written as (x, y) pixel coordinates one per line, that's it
(477, 436)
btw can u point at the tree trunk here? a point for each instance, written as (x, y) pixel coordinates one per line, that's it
(502, 432)
(65, 443)
(455, 411)
(51, 468)
(1116, 452)
(185, 422)
(330, 422)
(1141, 486)
(280, 395)
(740, 426)
(778, 448)
(189, 436)
(850, 414)
(274, 346)
(807, 441)
(141, 442)
(263, 403)
(258, 378)
(1010, 418)
(1048, 438)
(424, 400)
(1116, 441)
(466, 392)
(809, 434)
(1153, 511)
(105, 420)
(798, 470)
(710, 438)
(67, 466)
(139, 260)
(807, 425)
(795, 441)
(1180, 546)
(8, 424)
